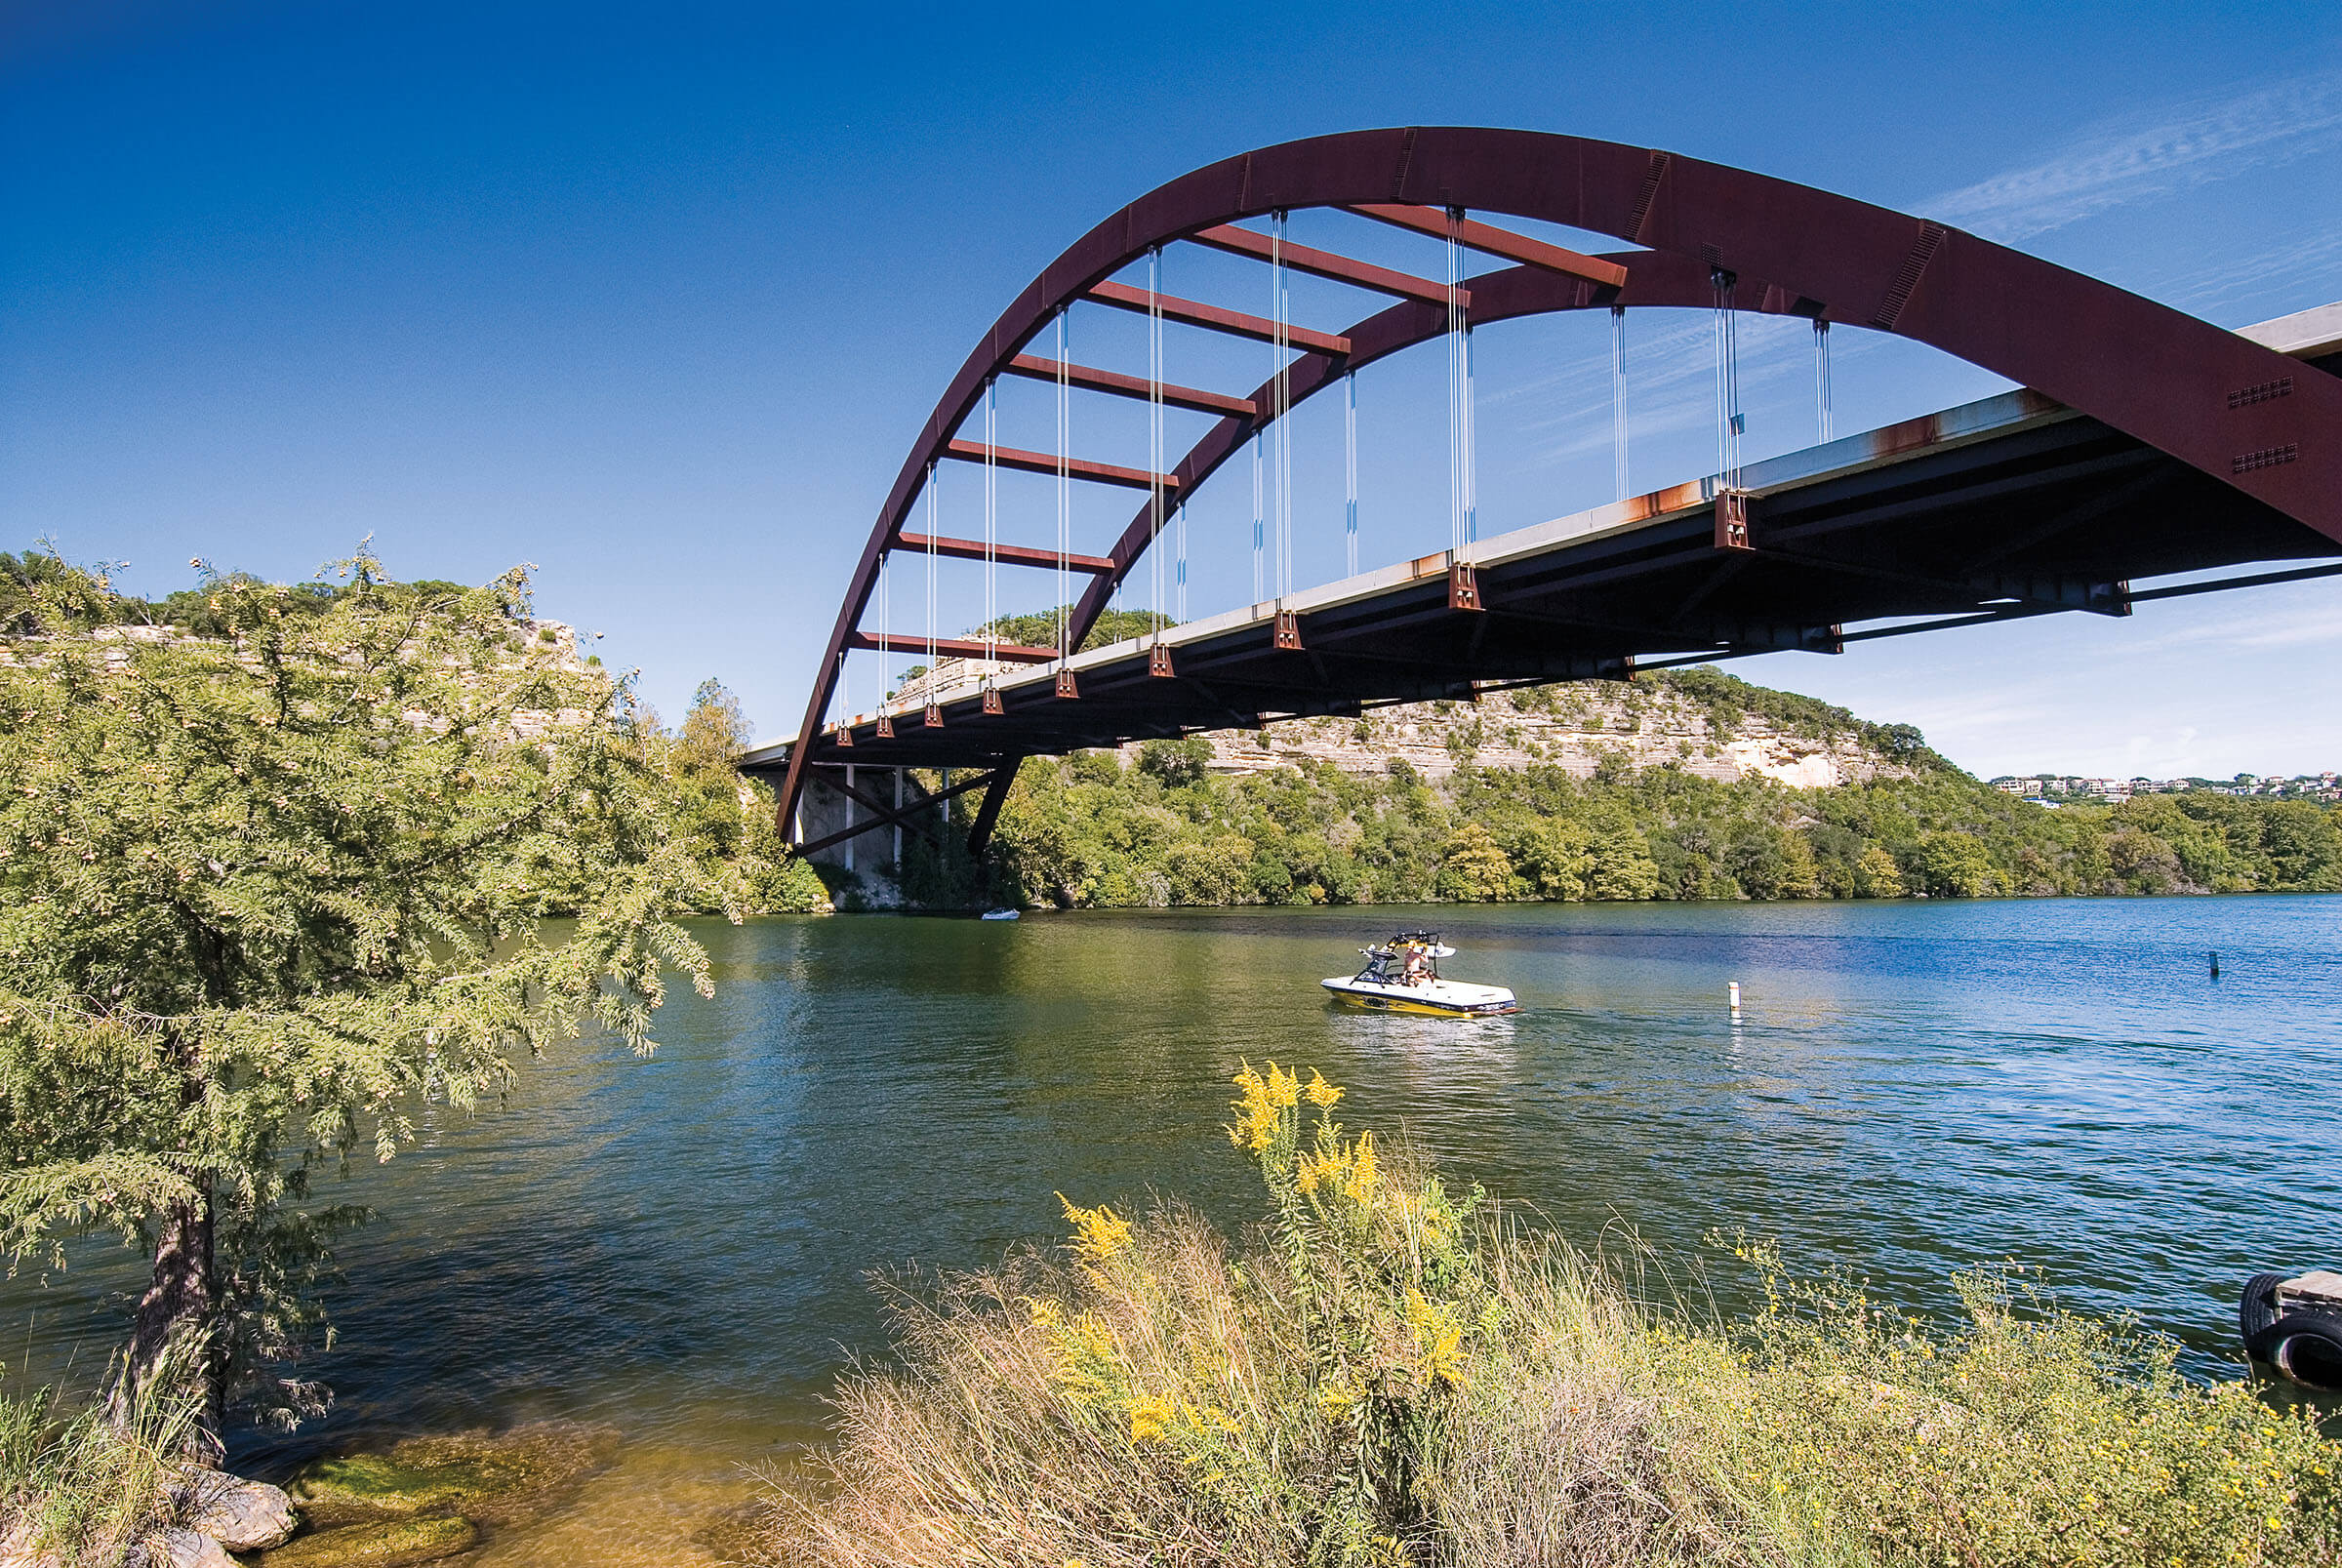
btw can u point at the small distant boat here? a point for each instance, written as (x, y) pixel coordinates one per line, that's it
(999, 914)
(1402, 975)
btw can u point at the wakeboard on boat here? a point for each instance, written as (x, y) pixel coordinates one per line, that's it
(1402, 975)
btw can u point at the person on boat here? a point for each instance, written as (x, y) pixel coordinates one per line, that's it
(1417, 967)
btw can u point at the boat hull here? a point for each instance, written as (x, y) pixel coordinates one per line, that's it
(1440, 998)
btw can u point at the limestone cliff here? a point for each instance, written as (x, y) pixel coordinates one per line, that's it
(1700, 721)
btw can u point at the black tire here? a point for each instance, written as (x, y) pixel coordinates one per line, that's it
(2305, 1348)
(2258, 1309)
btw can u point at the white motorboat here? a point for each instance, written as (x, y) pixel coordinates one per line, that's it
(998, 914)
(1402, 975)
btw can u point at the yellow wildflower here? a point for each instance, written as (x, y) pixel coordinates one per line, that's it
(1087, 1368)
(1319, 1093)
(1150, 1419)
(1365, 1176)
(1097, 1233)
(1284, 1088)
(1438, 1336)
(1255, 1107)
(1312, 1170)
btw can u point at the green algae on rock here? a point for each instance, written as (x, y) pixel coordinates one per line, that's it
(495, 1478)
(381, 1543)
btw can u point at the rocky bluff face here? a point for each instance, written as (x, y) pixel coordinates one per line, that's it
(1580, 728)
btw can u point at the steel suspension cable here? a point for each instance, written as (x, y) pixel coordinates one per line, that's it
(1179, 525)
(1463, 526)
(1154, 433)
(1455, 388)
(934, 478)
(991, 525)
(1472, 445)
(1349, 467)
(1618, 399)
(1259, 591)
(1282, 326)
(1065, 493)
(1821, 377)
(1730, 422)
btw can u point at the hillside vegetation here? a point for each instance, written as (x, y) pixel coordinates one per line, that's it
(1643, 815)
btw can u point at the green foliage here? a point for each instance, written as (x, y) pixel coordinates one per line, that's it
(1383, 1370)
(262, 895)
(728, 824)
(1086, 831)
(1039, 629)
(1472, 868)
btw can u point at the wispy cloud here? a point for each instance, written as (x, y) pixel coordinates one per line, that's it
(2193, 144)
(2263, 626)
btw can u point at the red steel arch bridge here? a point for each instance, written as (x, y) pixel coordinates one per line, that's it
(2141, 443)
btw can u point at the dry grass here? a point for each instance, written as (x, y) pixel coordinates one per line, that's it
(1386, 1373)
(77, 1489)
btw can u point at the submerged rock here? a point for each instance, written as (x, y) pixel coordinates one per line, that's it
(241, 1515)
(187, 1549)
(737, 1534)
(492, 1477)
(381, 1543)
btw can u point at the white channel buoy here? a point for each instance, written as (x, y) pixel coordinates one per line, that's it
(1736, 996)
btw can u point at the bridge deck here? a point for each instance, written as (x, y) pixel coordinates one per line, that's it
(2001, 509)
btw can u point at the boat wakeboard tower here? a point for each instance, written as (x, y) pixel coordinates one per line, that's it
(1402, 975)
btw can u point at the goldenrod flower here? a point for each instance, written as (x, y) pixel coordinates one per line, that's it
(1284, 1088)
(1257, 1106)
(1097, 1233)
(1319, 1093)
(1366, 1175)
(1438, 1336)
(1150, 1419)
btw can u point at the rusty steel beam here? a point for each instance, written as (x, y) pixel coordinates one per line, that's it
(1005, 653)
(1104, 473)
(974, 549)
(987, 810)
(1326, 264)
(1235, 323)
(1490, 240)
(891, 816)
(1033, 367)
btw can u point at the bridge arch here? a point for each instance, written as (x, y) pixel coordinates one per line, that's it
(2205, 396)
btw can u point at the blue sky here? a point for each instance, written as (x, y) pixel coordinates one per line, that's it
(656, 297)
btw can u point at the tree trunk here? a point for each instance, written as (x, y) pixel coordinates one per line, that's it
(172, 1336)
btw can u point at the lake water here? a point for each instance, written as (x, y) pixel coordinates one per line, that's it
(682, 1246)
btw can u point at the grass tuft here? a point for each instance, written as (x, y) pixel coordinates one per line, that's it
(79, 1490)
